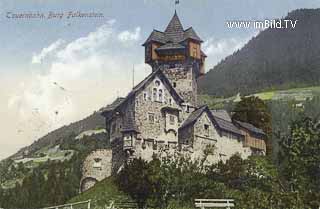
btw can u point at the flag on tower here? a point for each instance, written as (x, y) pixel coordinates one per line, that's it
(177, 2)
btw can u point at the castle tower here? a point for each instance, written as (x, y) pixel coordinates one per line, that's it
(178, 53)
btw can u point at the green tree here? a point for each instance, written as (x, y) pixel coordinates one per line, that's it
(133, 179)
(255, 111)
(300, 160)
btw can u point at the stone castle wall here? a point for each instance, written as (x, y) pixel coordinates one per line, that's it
(184, 81)
(96, 167)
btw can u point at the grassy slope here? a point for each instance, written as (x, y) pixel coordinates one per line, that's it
(298, 94)
(102, 194)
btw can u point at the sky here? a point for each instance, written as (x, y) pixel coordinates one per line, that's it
(57, 71)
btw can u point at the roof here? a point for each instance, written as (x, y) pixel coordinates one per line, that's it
(173, 33)
(222, 124)
(190, 33)
(113, 105)
(174, 30)
(156, 36)
(227, 126)
(223, 114)
(141, 85)
(250, 127)
(170, 46)
(193, 117)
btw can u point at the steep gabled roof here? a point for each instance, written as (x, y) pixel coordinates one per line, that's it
(250, 127)
(193, 117)
(113, 105)
(156, 36)
(142, 84)
(190, 33)
(220, 123)
(174, 30)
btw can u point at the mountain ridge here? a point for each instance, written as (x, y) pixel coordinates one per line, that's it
(290, 54)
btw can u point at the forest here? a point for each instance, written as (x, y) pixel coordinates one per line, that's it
(274, 59)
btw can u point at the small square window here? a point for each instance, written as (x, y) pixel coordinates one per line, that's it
(151, 117)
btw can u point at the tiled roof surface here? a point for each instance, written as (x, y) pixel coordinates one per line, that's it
(174, 31)
(113, 105)
(222, 124)
(170, 46)
(227, 126)
(157, 36)
(223, 114)
(250, 127)
(193, 117)
(190, 33)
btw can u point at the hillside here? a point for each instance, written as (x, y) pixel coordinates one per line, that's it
(92, 122)
(297, 95)
(102, 194)
(274, 59)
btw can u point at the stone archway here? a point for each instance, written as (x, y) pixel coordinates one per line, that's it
(87, 183)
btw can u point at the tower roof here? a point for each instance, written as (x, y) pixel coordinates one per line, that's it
(174, 30)
(174, 33)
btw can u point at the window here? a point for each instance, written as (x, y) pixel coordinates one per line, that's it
(171, 119)
(188, 108)
(157, 83)
(154, 94)
(194, 51)
(174, 84)
(206, 129)
(160, 95)
(151, 117)
(97, 163)
(145, 96)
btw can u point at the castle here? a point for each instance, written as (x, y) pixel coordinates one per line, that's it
(162, 112)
